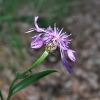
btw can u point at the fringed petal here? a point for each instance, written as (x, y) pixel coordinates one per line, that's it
(66, 64)
(71, 55)
(37, 27)
(30, 30)
(37, 42)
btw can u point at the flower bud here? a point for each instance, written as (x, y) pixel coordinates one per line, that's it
(51, 47)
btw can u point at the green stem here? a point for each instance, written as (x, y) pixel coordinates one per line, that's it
(1, 95)
(43, 56)
(10, 89)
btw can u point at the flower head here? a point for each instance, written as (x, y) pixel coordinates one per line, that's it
(53, 38)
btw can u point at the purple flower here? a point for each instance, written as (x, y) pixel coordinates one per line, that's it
(53, 38)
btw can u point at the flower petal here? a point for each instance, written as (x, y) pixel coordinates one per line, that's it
(66, 64)
(37, 27)
(37, 43)
(71, 55)
(30, 30)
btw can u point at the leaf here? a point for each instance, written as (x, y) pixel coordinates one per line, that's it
(21, 76)
(30, 80)
(1, 95)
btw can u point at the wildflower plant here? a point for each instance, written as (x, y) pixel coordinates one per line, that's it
(52, 39)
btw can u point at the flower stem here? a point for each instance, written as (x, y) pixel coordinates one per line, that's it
(43, 56)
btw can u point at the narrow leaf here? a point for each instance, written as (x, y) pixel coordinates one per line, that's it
(1, 95)
(30, 80)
